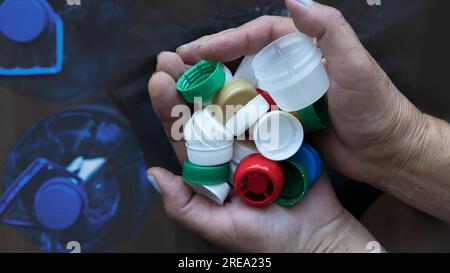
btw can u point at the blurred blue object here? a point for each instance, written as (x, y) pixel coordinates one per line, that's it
(311, 160)
(49, 62)
(33, 22)
(78, 175)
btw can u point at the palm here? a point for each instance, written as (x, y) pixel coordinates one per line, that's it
(236, 224)
(240, 226)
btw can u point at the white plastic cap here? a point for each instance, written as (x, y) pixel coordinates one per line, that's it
(246, 72)
(241, 149)
(278, 135)
(233, 167)
(228, 74)
(192, 137)
(217, 193)
(291, 71)
(210, 156)
(209, 130)
(247, 116)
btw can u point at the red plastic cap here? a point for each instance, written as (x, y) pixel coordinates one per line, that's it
(258, 180)
(267, 97)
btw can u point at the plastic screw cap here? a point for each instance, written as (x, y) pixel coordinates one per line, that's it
(208, 128)
(296, 183)
(23, 21)
(308, 157)
(315, 117)
(217, 193)
(210, 182)
(258, 180)
(210, 156)
(58, 203)
(247, 116)
(205, 175)
(291, 71)
(234, 93)
(202, 80)
(241, 149)
(278, 135)
(228, 74)
(246, 72)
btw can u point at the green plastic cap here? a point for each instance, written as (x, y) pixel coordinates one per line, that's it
(296, 183)
(201, 175)
(202, 80)
(315, 117)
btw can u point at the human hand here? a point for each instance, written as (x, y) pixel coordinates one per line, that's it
(318, 223)
(373, 125)
(377, 135)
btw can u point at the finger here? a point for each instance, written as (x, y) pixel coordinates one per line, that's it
(189, 53)
(170, 63)
(175, 193)
(247, 39)
(334, 35)
(195, 211)
(164, 97)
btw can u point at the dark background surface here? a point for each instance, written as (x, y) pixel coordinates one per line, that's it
(409, 39)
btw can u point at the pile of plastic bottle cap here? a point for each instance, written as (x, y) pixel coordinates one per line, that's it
(250, 131)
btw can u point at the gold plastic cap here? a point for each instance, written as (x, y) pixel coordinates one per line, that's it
(235, 93)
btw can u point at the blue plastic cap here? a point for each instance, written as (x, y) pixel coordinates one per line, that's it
(311, 160)
(24, 20)
(58, 203)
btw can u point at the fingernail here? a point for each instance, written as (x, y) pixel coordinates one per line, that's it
(154, 183)
(305, 2)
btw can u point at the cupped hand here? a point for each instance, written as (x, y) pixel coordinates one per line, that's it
(373, 125)
(318, 223)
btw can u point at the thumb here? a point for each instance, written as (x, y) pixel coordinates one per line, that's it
(334, 35)
(175, 193)
(193, 210)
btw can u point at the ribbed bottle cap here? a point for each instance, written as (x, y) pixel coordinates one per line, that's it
(290, 70)
(296, 183)
(205, 175)
(201, 80)
(210, 156)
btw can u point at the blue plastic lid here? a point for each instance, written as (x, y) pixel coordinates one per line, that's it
(58, 203)
(311, 160)
(23, 20)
